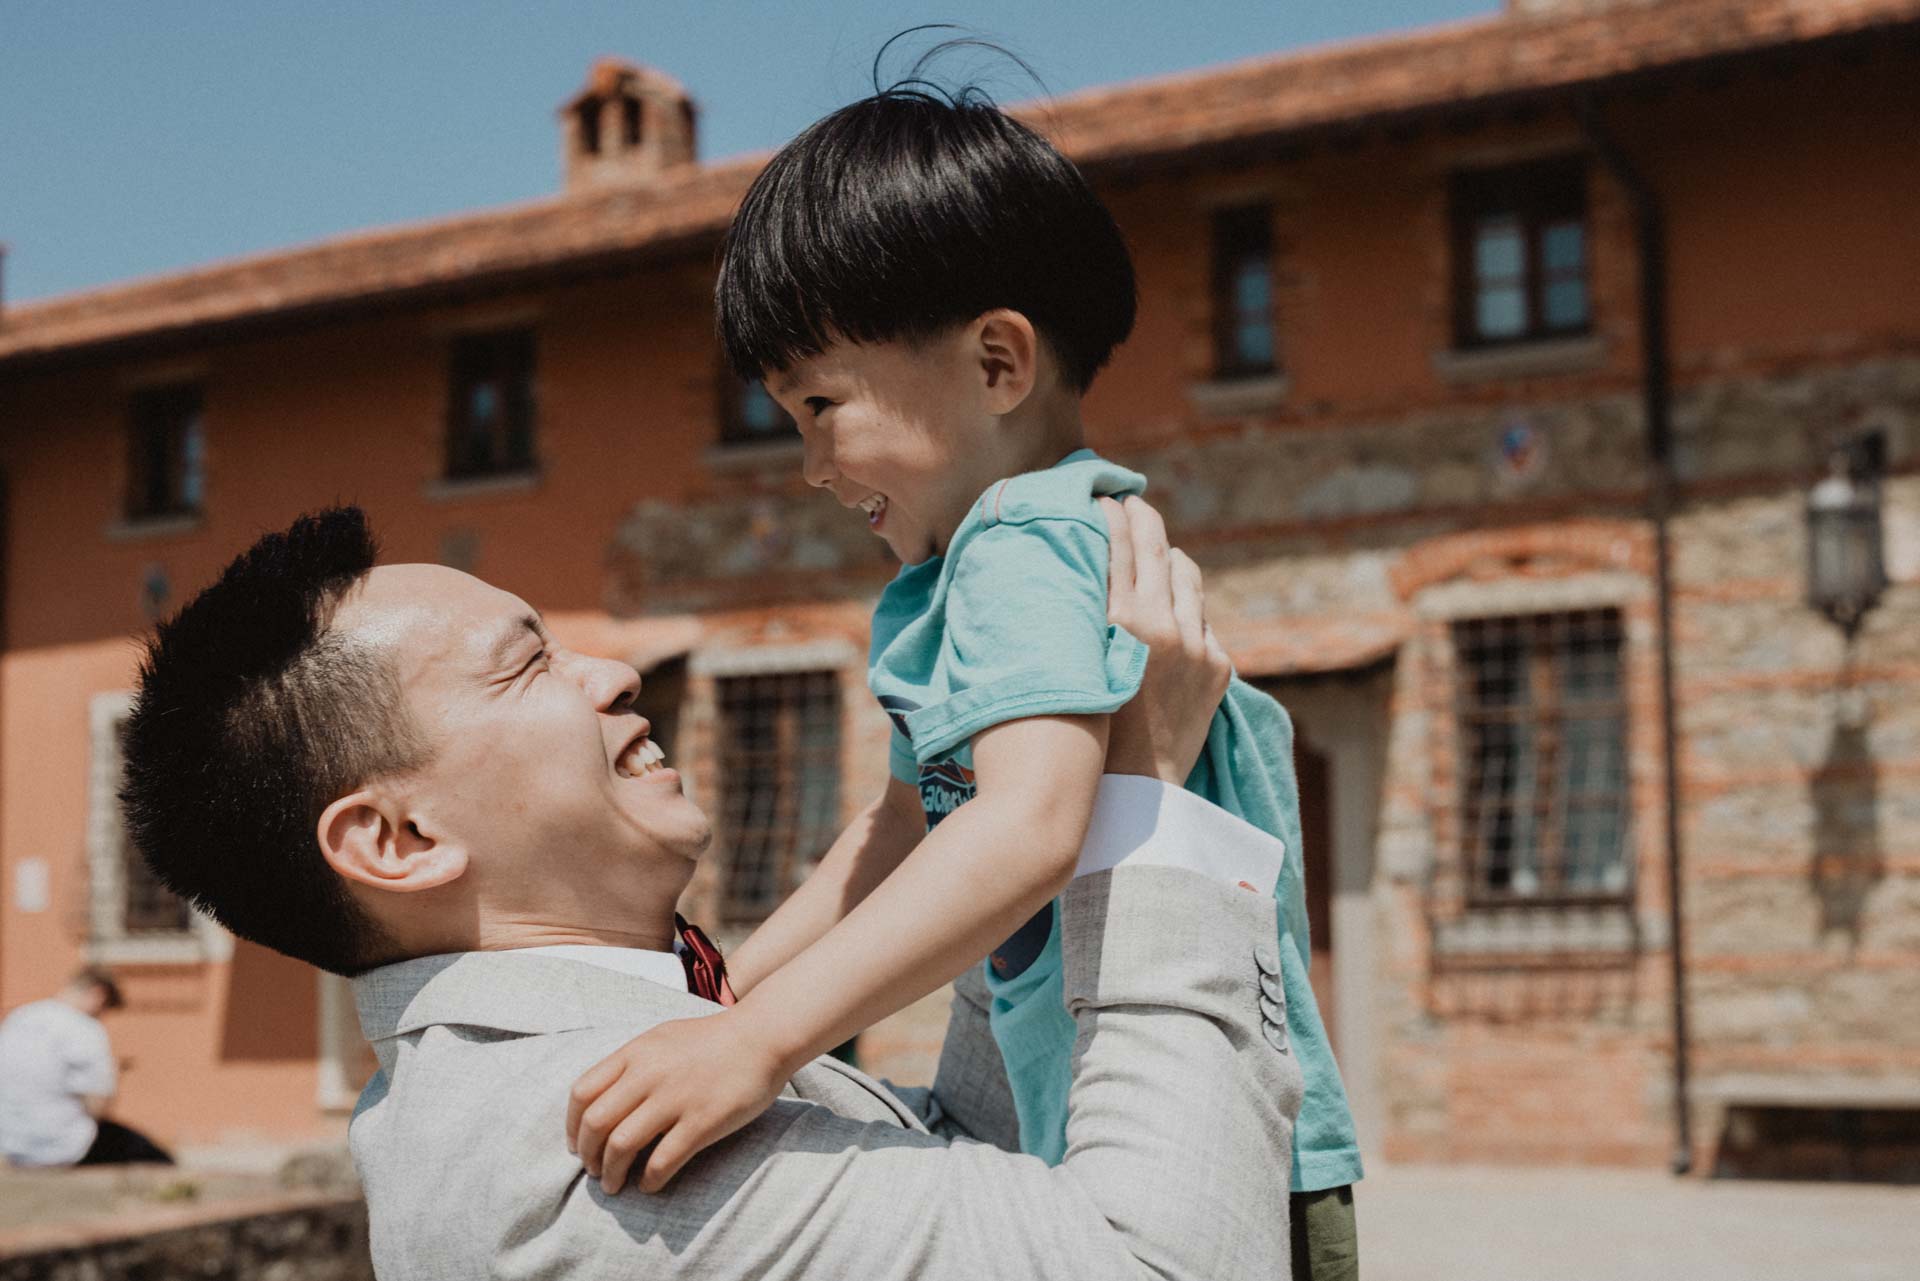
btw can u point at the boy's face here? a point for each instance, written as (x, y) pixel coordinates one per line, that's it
(901, 430)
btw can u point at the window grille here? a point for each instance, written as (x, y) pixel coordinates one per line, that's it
(166, 447)
(131, 917)
(1243, 331)
(490, 407)
(779, 767)
(1520, 254)
(1543, 730)
(147, 907)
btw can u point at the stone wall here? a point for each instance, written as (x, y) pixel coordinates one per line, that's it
(1326, 547)
(317, 1241)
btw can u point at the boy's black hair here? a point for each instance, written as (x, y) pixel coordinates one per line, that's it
(911, 211)
(252, 716)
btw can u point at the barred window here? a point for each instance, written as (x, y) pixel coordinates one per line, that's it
(490, 406)
(128, 900)
(779, 765)
(1543, 727)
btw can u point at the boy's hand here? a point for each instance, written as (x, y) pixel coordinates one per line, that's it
(1154, 591)
(682, 1086)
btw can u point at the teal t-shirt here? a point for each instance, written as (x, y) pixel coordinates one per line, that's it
(1012, 622)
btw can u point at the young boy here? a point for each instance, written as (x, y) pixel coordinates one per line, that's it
(929, 288)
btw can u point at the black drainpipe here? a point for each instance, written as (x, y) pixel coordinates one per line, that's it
(1651, 237)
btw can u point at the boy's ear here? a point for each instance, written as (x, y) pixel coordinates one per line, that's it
(372, 838)
(1008, 349)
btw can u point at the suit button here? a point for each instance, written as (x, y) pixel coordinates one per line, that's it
(1267, 958)
(1273, 1011)
(1270, 984)
(1276, 1035)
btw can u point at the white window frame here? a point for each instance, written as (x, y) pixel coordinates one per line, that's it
(108, 942)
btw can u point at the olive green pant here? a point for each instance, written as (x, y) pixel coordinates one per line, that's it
(1326, 1246)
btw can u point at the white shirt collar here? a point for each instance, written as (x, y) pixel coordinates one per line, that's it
(663, 968)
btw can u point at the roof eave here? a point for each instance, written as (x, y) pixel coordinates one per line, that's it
(559, 270)
(1255, 145)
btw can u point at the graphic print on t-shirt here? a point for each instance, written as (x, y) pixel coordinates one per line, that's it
(944, 785)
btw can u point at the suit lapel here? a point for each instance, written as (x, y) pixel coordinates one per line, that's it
(541, 995)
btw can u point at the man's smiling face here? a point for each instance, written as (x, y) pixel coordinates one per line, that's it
(539, 764)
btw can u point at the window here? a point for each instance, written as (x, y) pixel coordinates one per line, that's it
(490, 412)
(1243, 335)
(166, 454)
(132, 917)
(1542, 724)
(1520, 254)
(663, 692)
(779, 765)
(750, 416)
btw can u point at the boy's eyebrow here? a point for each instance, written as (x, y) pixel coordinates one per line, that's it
(785, 383)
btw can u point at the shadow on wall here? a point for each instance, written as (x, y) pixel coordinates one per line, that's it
(273, 1007)
(1847, 860)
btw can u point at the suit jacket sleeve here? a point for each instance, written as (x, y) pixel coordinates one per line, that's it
(1178, 1140)
(970, 1098)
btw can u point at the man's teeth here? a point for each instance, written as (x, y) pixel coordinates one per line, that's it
(644, 757)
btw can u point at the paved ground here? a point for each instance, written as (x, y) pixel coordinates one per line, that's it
(1427, 1223)
(1417, 1223)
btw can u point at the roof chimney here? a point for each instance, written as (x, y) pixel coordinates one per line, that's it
(629, 124)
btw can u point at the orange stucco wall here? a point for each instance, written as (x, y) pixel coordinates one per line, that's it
(226, 1051)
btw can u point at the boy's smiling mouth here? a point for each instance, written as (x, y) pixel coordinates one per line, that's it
(875, 506)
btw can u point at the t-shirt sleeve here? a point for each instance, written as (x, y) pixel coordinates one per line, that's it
(900, 761)
(1027, 634)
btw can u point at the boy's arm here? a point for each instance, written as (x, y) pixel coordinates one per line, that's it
(973, 881)
(984, 871)
(882, 834)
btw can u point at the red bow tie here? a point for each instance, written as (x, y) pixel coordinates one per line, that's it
(706, 972)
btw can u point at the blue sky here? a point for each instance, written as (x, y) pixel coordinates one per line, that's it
(150, 136)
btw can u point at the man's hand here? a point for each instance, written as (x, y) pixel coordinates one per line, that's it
(1154, 591)
(681, 1087)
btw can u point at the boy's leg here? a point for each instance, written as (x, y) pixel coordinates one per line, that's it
(1326, 1245)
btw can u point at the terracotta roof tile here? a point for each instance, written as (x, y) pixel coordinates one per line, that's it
(1391, 76)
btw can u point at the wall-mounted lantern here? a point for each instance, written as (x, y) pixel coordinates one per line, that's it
(1845, 569)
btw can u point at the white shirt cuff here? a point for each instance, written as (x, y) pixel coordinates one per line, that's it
(1140, 821)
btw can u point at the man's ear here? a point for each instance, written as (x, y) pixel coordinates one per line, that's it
(370, 837)
(1008, 349)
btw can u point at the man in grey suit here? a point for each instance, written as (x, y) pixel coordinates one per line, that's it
(398, 773)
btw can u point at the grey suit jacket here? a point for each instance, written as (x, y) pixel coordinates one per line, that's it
(1179, 1137)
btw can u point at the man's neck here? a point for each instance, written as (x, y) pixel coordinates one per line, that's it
(506, 936)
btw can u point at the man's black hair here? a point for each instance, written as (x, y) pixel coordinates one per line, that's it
(252, 716)
(911, 211)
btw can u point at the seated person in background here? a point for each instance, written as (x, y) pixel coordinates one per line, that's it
(398, 773)
(58, 1078)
